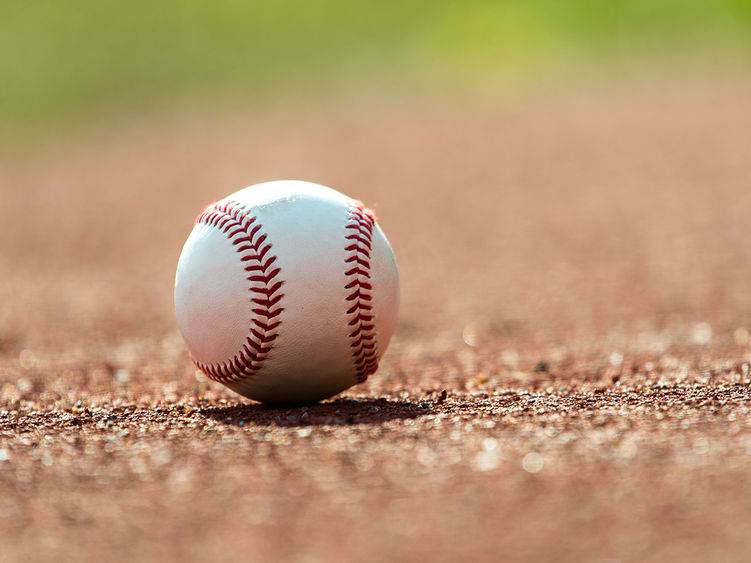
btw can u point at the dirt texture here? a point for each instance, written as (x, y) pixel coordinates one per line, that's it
(569, 379)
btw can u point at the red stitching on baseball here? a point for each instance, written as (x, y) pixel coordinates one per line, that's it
(359, 238)
(244, 232)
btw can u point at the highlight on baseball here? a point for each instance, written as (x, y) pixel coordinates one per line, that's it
(287, 292)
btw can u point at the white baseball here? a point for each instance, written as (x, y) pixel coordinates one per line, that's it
(287, 292)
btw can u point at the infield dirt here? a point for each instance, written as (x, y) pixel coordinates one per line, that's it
(569, 380)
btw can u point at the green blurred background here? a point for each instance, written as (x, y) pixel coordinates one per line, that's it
(64, 62)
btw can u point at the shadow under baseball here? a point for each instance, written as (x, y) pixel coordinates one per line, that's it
(338, 411)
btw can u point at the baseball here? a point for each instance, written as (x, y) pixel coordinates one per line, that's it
(287, 292)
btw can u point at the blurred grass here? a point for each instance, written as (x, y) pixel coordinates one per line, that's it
(64, 61)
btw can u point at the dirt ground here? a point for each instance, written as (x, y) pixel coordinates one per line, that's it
(569, 380)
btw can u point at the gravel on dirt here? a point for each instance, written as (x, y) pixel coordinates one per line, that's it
(569, 380)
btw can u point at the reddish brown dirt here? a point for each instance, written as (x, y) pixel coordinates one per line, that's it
(569, 380)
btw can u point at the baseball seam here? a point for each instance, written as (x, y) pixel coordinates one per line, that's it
(247, 236)
(359, 237)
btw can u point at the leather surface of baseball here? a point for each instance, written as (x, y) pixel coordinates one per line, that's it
(287, 292)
